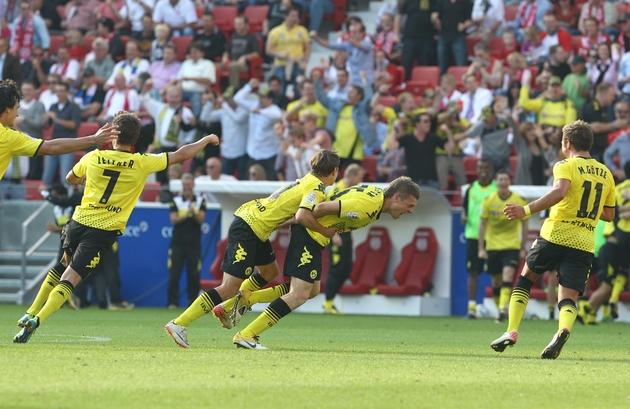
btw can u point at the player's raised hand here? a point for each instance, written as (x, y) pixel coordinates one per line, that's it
(211, 139)
(107, 134)
(514, 211)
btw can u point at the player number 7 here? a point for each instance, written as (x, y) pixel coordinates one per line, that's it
(113, 175)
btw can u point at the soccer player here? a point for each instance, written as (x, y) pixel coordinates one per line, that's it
(249, 246)
(113, 181)
(583, 192)
(476, 193)
(504, 243)
(347, 210)
(14, 143)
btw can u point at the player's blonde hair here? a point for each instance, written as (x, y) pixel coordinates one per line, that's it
(580, 134)
(404, 186)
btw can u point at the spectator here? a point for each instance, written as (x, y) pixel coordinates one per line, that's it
(487, 17)
(557, 63)
(315, 135)
(381, 130)
(297, 153)
(289, 45)
(76, 48)
(420, 147)
(119, 98)
(385, 38)
(530, 13)
(110, 9)
(510, 45)
(79, 15)
(214, 172)
(49, 97)
(596, 114)
(195, 75)
(568, 16)
(46, 10)
(11, 68)
(474, 99)
(606, 70)
(392, 164)
(340, 89)
(517, 114)
(90, 96)
(257, 172)
(390, 7)
(532, 46)
(133, 13)
(164, 72)
(604, 13)
(451, 162)
(554, 34)
(275, 15)
(67, 68)
(592, 36)
(240, 48)
(384, 72)
(262, 143)
(338, 61)
(211, 38)
(624, 37)
(179, 15)
(162, 33)
(145, 37)
(65, 118)
(553, 109)
(494, 132)
(175, 172)
(624, 74)
(515, 70)
(576, 84)
(130, 67)
(12, 184)
(274, 85)
(147, 125)
(308, 102)
(488, 70)
(452, 18)
(28, 30)
(234, 123)
(102, 63)
(360, 50)
(31, 122)
(188, 212)
(531, 164)
(448, 91)
(349, 121)
(418, 37)
(105, 29)
(317, 9)
(37, 67)
(620, 142)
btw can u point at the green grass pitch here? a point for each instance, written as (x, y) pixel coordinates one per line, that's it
(102, 359)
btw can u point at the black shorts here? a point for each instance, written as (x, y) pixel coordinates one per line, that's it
(85, 245)
(245, 251)
(497, 259)
(573, 265)
(608, 263)
(624, 244)
(473, 262)
(304, 256)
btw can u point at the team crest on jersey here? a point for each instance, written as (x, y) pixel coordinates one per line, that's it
(351, 215)
(95, 261)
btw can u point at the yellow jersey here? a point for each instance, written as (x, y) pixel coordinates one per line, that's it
(337, 187)
(501, 233)
(114, 182)
(290, 40)
(347, 136)
(572, 221)
(621, 189)
(14, 143)
(554, 113)
(264, 215)
(358, 206)
(317, 107)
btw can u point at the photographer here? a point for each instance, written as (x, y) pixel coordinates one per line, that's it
(451, 163)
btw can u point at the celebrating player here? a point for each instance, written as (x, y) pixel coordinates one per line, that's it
(583, 192)
(113, 181)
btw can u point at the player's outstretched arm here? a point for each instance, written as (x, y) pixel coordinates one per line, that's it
(326, 208)
(305, 218)
(189, 151)
(551, 198)
(608, 214)
(105, 135)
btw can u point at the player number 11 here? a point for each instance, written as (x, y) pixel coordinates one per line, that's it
(583, 212)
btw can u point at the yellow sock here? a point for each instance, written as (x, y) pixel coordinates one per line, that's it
(253, 283)
(56, 298)
(328, 304)
(201, 306)
(619, 284)
(592, 319)
(269, 294)
(50, 282)
(606, 310)
(472, 305)
(518, 302)
(270, 317)
(568, 312)
(504, 295)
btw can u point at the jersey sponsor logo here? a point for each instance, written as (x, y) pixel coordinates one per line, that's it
(311, 198)
(135, 231)
(95, 261)
(306, 257)
(351, 215)
(581, 224)
(240, 254)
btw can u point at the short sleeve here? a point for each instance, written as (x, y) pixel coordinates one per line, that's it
(562, 170)
(154, 162)
(404, 140)
(485, 209)
(23, 145)
(173, 206)
(610, 198)
(80, 168)
(273, 36)
(315, 194)
(202, 206)
(475, 130)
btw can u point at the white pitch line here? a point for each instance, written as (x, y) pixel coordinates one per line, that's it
(74, 338)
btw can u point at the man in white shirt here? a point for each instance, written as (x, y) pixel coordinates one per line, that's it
(195, 75)
(475, 99)
(48, 97)
(213, 172)
(262, 143)
(488, 16)
(119, 98)
(132, 12)
(65, 67)
(130, 67)
(179, 15)
(340, 90)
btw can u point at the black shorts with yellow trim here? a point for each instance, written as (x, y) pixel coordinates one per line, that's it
(497, 259)
(245, 250)
(85, 245)
(304, 256)
(473, 262)
(608, 263)
(573, 265)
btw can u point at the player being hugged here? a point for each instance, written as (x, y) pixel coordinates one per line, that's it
(113, 180)
(583, 193)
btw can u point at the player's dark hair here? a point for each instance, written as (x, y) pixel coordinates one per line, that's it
(128, 126)
(502, 172)
(9, 95)
(324, 163)
(404, 186)
(59, 189)
(297, 132)
(580, 134)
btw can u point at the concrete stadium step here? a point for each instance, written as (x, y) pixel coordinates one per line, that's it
(37, 258)
(375, 6)
(8, 298)
(7, 285)
(14, 271)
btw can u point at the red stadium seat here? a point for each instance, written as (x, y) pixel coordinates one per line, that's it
(370, 262)
(150, 192)
(496, 46)
(428, 74)
(458, 74)
(215, 268)
(470, 166)
(87, 43)
(224, 17)
(369, 164)
(414, 274)
(256, 15)
(32, 189)
(388, 100)
(200, 10)
(87, 129)
(182, 43)
(470, 44)
(55, 42)
(321, 73)
(510, 12)
(417, 88)
(576, 41)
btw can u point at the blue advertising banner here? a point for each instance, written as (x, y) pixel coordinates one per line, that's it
(143, 250)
